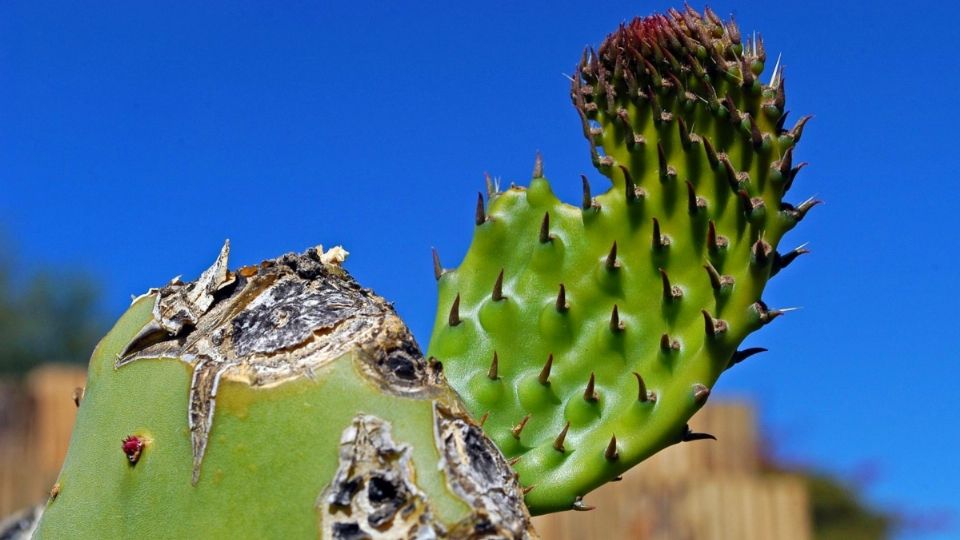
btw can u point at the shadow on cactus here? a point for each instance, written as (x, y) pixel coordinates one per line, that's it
(283, 399)
(586, 336)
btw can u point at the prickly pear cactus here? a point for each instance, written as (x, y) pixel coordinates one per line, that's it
(586, 336)
(281, 400)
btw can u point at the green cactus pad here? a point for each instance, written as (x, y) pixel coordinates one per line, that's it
(278, 401)
(587, 336)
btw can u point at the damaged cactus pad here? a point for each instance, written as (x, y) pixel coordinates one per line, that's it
(585, 336)
(279, 400)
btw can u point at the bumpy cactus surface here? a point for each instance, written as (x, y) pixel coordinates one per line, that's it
(281, 400)
(586, 336)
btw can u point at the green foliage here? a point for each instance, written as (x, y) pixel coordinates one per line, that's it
(53, 316)
(840, 514)
(588, 335)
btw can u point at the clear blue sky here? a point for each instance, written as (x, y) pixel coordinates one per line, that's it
(134, 139)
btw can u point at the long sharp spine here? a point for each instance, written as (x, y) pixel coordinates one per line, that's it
(561, 304)
(558, 442)
(437, 269)
(545, 228)
(497, 294)
(642, 395)
(590, 393)
(611, 453)
(454, 318)
(544, 376)
(518, 429)
(480, 215)
(494, 372)
(587, 201)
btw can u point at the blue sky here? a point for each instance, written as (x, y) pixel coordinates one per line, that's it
(134, 139)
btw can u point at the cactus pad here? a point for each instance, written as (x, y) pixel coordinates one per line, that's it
(586, 336)
(279, 400)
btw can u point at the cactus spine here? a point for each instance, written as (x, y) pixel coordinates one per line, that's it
(588, 335)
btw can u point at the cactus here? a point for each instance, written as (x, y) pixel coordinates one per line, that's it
(283, 399)
(587, 336)
(280, 400)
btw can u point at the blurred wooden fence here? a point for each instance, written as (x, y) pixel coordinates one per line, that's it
(36, 417)
(703, 490)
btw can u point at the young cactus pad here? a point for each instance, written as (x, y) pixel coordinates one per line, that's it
(587, 336)
(282, 400)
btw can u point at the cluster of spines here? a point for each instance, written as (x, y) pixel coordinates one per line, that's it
(637, 66)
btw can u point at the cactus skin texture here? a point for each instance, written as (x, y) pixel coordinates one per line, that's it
(281, 401)
(587, 336)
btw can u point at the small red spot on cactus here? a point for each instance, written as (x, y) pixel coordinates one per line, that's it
(132, 447)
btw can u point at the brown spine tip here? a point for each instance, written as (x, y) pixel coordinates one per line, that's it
(494, 372)
(733, 178)
(497, 294)
(611, 453)
(694, 203)
(785, 164)
(660, 241)
(793, 175)
(611, 262)
(483, 419)
(666, 171)
(437, 269)
(740, 356)
(780, 98)
(715, 242)
(700, 393)
(558, 442)
(587, 201)
(561, 304)
(514, 461)
(805, 207)
(782, 261)
(797, 130)
(713, 326)
(538, 166)
(756, 138)
(714, 275)
(616, 325)
(690, 435)
(527, 489)
(735, 116)
(684, 133)
(454, 318)
(746, 204)
(579, 505)
(480, 216)
(78, 393)
(642, 394)
(711, 153)
(629, 185)
(517, 429)
(544, 376)
(761, 251)
(590, 393)
(545, 228)
(668, 345)
(670, 292)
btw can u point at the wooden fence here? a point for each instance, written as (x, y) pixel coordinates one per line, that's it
(36, 417)
(703, 490)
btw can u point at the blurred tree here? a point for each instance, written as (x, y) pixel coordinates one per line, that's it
(51, 316)
(840, 514)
